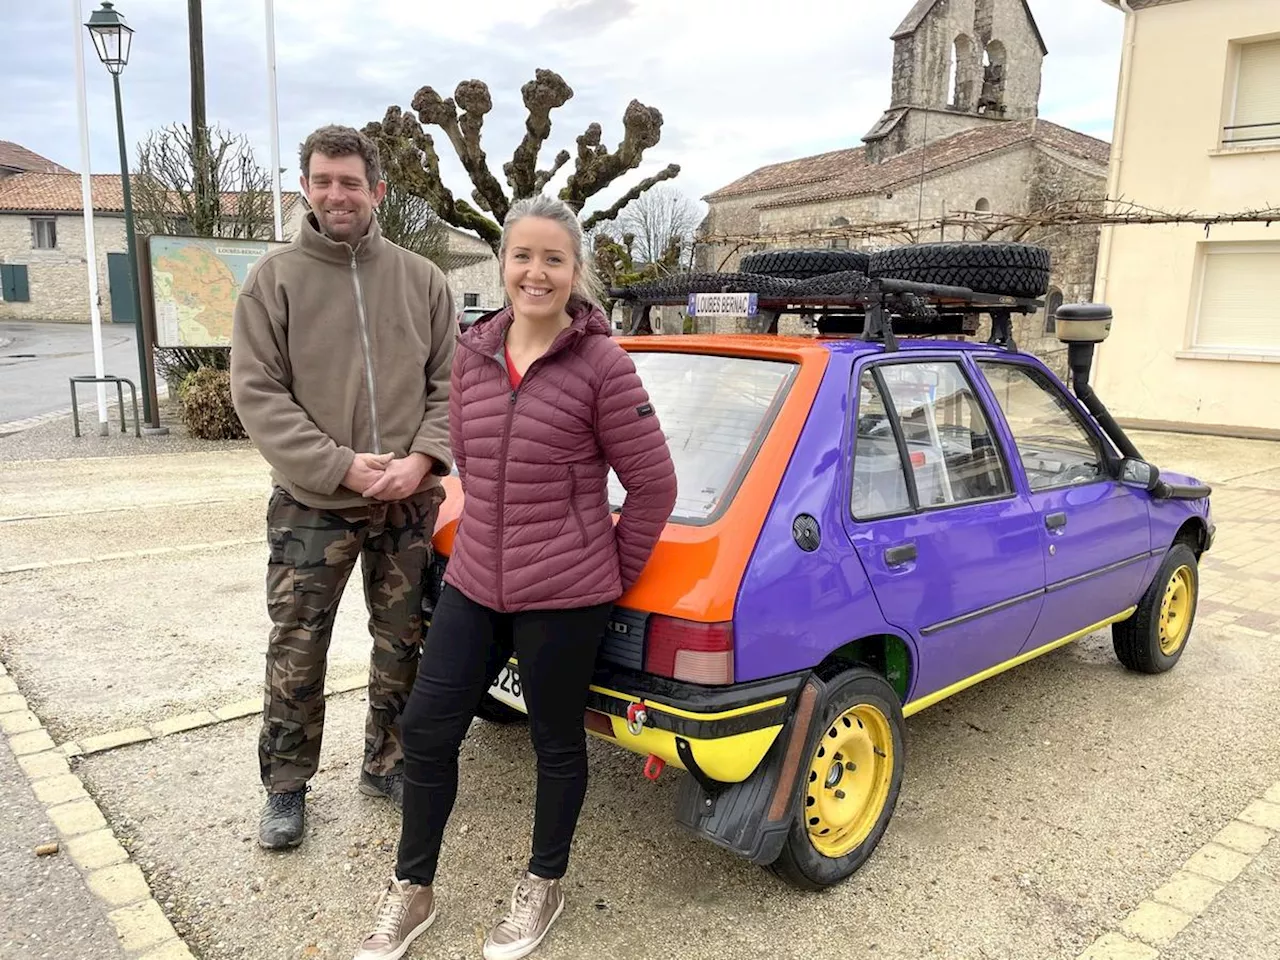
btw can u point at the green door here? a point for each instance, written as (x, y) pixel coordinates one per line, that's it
(120, 281)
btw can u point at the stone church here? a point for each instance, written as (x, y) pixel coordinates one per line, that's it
(961, 137)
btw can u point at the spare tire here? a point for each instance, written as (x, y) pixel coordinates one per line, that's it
(683, 284)
(803, 264)
(1003, 269)
(845, 283)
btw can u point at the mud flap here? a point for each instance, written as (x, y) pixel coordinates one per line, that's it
(752, 818)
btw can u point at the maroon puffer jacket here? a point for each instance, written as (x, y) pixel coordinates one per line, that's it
(536, 530)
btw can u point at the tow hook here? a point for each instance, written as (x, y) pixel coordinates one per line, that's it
(637, 716)
(654, 766)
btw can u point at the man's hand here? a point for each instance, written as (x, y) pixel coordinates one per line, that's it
(400, 478)
(366, 470)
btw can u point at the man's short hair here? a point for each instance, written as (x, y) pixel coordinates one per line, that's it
(338, 141)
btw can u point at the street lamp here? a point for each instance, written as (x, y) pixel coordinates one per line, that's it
(112, 38)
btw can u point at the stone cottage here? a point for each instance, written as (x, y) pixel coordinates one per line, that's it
(961, 137)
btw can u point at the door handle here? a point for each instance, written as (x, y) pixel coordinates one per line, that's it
(1055, 521)
(897, 556)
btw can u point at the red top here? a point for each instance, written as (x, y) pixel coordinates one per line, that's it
(511, 369)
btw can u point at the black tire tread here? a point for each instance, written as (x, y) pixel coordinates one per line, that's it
(683, 284)
(495, 711)
(804, 264)
(1001, 269)
(789, 865)
(1137, 640)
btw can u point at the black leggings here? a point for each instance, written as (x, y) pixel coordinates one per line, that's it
(464, 651)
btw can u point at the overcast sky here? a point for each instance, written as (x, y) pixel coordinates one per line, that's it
(740, 83)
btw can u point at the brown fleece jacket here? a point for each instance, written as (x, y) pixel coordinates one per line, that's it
(339, 350)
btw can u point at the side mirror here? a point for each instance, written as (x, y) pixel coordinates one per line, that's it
(1139, 473)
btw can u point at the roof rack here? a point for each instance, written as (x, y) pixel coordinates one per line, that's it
(878, 309)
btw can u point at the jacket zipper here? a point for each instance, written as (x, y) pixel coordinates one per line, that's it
(502, 486)
(573, 503)
(368, 356)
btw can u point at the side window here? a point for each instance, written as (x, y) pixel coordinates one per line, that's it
(1055, 448)
(879, 481)
(953, 452)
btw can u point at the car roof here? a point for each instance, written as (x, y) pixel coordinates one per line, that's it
(767, 346)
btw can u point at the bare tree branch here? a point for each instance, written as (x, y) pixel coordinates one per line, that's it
(464, 133)
(597, 167)
(544, 176)
(544, 93)
(670, 171)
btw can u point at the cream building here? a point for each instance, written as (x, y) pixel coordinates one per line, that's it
(1196, 340)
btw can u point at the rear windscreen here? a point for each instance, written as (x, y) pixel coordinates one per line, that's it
(715, 412)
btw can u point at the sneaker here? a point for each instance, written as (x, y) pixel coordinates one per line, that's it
(535, 904)
(404, 912)
(282, 820)
(391, 786)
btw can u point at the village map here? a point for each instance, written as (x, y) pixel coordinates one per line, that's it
(195, 282)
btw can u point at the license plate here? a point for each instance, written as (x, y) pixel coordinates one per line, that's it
(507, 688)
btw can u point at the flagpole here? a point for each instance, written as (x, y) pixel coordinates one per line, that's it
(273, 108)
(86, 195)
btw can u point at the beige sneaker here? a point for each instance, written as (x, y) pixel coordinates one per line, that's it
(404, 912)
(535, 904)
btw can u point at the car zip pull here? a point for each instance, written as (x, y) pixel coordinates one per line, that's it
(637, 717)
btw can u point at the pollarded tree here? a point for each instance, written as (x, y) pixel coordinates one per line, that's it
(410, 159)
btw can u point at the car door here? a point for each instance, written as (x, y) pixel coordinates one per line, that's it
(951, 550)
(1095, 530)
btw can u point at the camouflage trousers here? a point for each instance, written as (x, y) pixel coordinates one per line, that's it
(312, 555)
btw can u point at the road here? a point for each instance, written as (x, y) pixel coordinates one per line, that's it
(1065, 810)
(36, 360)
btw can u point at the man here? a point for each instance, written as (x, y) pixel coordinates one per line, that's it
(340, 361)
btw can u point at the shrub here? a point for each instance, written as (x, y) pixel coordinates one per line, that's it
(204, 403)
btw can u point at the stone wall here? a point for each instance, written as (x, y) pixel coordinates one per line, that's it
(480, 277)
(57, 279)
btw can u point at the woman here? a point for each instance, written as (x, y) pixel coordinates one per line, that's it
(543, 402)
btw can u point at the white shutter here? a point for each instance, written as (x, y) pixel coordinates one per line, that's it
(1240, 298)
(1257, 94)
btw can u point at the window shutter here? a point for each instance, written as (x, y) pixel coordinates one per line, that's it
(20, 292)
(1240, 299)
(1257, 94)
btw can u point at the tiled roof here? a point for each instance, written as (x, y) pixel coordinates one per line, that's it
(60, 193)
(18, 157)
(916, 16)
(1139, 4)
(849, 173)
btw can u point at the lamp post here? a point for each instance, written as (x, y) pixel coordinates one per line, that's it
(112, 38)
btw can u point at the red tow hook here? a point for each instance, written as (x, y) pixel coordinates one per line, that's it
(654, 766)
(636, 717)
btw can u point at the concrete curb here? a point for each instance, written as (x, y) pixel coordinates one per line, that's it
(235, 710)
(141, 926)
(1156, 922)
(88, 421)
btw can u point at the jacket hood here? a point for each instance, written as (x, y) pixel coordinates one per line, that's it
(488, 334)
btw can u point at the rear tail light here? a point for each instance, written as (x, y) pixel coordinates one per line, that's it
(689, 651)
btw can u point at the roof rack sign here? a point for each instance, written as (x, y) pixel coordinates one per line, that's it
(724, 304)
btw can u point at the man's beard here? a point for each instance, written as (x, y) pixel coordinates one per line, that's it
(357, 229)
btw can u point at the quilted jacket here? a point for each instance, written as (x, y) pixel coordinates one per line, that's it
(536, 530)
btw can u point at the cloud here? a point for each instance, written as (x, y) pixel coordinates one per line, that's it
(740, 83)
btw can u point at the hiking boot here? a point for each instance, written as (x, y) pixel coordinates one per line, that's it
(282, 821)
(404, 912)
(391, 786)
(535, 904)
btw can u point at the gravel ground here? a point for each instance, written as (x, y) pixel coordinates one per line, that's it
(1037, 810)
(55, 439)
(49, 913)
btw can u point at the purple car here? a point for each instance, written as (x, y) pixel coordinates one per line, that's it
(864, 528)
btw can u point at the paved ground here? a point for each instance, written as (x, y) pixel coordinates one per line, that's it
(1064, 809)
(37, 358)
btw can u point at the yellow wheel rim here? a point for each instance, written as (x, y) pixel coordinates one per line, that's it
(849, 780)
(1175, 610)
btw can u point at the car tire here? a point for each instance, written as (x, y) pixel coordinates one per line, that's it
(804, 264)
(849, 785)
(495, 711)
(1001, 269)
(1153, 639)
(683, 284)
